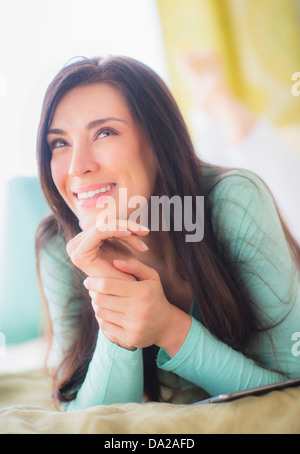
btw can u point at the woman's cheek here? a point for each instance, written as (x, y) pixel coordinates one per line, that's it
(59, 171)
(60, 176)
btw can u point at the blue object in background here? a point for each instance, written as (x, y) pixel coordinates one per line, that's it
(20, 301)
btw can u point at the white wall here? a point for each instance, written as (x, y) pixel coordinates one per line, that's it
(38, 37)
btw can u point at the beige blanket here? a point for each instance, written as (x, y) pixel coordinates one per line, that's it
(25, 409)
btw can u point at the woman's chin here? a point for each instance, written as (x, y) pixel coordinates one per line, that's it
(86, 222)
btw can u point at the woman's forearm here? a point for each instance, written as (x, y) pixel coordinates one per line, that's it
(115, 375)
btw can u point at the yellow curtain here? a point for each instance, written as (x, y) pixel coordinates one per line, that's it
(259, 41)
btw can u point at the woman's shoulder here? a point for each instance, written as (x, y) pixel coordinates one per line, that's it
(237, 188)
(217, 180)
(241, 205)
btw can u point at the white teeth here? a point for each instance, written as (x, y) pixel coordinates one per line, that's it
(88, 195)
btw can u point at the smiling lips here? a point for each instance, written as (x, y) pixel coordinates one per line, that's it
(89, 195)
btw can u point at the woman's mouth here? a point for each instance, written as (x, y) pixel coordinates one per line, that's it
(89, 196)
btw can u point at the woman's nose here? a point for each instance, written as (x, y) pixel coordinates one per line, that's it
(82, 161)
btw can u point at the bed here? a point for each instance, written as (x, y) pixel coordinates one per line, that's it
(25, 408)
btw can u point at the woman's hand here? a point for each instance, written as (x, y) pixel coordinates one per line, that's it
(93, 250)
(137, 313)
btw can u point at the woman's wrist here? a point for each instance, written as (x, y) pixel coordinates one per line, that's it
(179, 324)
(119, 343)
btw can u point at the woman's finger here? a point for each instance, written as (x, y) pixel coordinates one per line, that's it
(109, 315)
(88, 242)
(138, 269)
(133, 240)
(85, 248)
(112, 330)
(124, 224)
(111, 286)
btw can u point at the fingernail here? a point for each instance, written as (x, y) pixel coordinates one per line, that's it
(144, 228)
(144, 245)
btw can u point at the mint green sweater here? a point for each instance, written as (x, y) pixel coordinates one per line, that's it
(245, 217)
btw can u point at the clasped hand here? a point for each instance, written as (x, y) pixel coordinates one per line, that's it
(127, 296)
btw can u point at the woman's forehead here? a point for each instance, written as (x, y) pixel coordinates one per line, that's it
(90, 103)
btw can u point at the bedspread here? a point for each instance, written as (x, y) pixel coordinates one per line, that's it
(25, 409)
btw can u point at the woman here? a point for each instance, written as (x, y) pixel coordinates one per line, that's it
(132, 308)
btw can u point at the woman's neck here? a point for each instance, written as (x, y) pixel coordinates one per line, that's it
(161, 253)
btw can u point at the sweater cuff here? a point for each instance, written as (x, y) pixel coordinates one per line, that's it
(166, 362)
(114, 349)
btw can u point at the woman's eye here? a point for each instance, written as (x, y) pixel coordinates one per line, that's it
(105, 133)
(57, 144)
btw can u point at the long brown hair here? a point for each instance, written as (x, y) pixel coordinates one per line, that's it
(223, 303)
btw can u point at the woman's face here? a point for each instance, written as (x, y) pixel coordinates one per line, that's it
(97, 149)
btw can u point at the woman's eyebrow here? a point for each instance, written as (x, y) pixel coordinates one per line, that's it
(56, 131)
(90, 125)
(94, 123)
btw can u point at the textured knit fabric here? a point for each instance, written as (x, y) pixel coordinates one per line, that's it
(244, 218)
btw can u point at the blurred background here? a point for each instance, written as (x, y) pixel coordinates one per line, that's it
(257, 43)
